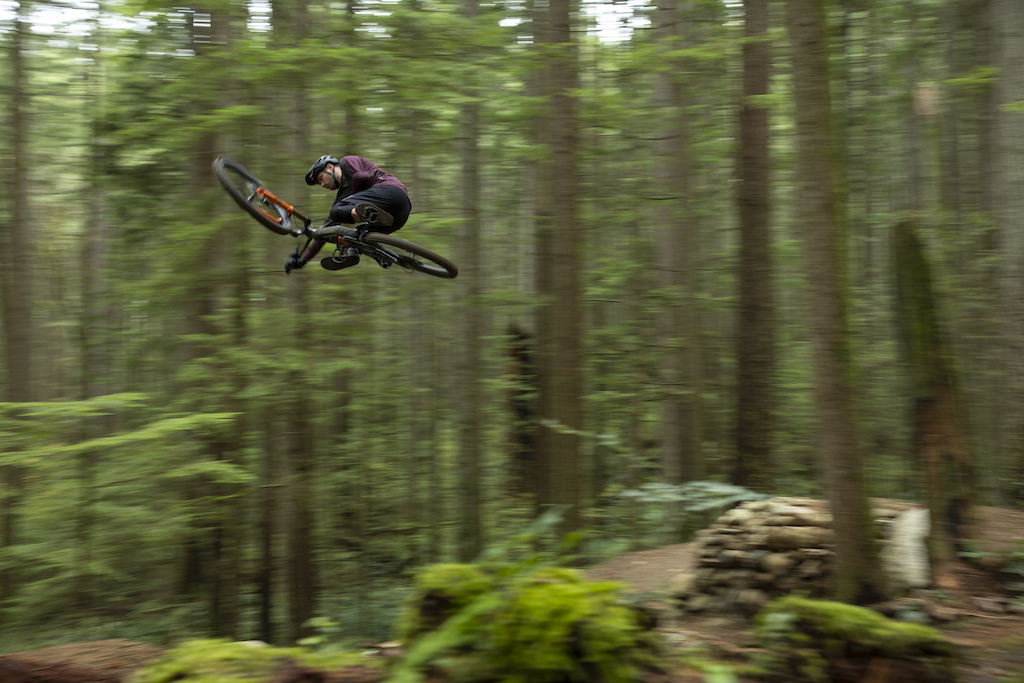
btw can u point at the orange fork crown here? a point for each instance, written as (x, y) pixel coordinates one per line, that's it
(270, 197)
(273, 199)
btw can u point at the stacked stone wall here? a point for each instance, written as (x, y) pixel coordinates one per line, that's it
(764, 549)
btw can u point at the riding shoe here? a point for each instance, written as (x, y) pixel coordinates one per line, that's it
(349, 259)
(374, 215)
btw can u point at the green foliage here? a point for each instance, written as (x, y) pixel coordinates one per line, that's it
(979, 80)
(220, 661)
(99, 516)
(450, 587)
(800, 636)
(693, 496)
(669, 508)
(544, 624)
(1008, 561)
(122, 501)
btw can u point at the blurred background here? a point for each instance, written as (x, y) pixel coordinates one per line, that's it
(192, 442)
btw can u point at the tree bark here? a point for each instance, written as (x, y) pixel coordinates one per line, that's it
(95, 341)
(559, 329)
(291, 22)
(821, 214)
(676, 257)
(1008, 205)
(471, 416)
(755, 348)
(17, 283)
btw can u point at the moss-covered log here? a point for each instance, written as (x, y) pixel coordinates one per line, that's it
(813, 640)
(210, 661)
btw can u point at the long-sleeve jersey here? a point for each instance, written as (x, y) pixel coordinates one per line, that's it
(358, 174)
(361, 173)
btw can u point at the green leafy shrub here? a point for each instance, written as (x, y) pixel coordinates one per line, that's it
(440, 591)
(816, 640)
(544, 624)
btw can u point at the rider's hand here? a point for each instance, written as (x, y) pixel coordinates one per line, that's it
(292, 263)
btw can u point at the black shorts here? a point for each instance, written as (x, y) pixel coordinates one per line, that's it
(388, 197)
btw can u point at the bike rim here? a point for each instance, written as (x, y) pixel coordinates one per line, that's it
(412, 261)
(248, 192)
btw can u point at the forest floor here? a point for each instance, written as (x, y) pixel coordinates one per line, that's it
(972, 616)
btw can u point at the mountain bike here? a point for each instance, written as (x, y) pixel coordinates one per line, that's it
(283, 218)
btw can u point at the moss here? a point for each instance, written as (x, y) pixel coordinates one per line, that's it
(217, 661)
(816, 640)
(548, 624)
(440, 591)
(561, 623)
(838, 625)
(466, 580)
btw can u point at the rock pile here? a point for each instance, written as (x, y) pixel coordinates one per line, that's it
(764, 549)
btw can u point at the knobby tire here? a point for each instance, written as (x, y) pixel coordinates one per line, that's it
(431, 264)
(241, 185)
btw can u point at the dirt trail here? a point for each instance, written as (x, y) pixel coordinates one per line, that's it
(993, 643)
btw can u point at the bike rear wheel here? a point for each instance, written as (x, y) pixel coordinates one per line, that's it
(250, 194)
(412, 256)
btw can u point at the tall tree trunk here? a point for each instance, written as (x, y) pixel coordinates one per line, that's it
(291, 23)
(523, 407)
(266, 516)
(559, 329)
(755, 347)
(15, 257)
(226, 524)
(676, 259)
(821, 215)
(95, 340)
(669, 160)
(471, 413)
(232, 518)
(1008, 44)
(205, 566)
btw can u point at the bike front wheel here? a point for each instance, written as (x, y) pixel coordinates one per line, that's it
(250, 194)
(412, 256)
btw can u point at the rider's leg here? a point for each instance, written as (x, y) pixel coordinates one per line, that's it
(382, 201)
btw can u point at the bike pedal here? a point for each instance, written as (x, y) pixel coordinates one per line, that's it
(374, 215)
(337, 263)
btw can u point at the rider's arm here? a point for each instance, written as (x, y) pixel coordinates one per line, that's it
(311, 250)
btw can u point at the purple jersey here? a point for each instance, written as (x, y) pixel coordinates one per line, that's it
(362, 174)
(359, 174)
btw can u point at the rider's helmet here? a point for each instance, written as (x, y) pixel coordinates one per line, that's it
(319, 165)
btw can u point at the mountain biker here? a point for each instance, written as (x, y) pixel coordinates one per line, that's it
(366, 194)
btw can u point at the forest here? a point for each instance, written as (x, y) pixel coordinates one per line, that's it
(707, 250)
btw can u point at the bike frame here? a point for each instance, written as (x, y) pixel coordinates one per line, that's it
(347, 236)
(279, 216)
(290, 210)
(355, 236)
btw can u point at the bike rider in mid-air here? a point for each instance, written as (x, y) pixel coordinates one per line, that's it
(366, 194)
